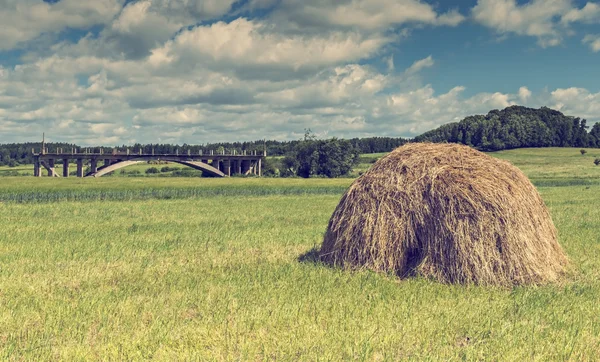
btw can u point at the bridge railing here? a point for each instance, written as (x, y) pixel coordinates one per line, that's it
(131, 152)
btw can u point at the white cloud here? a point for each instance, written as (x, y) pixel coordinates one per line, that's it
(547, 20)
(590, 13)
(451, 18)
(390, 63)
(142, 26)
(524, 94)
(537, 18)
(25, 20)
(593, 41)
(578, 102)
(246, 45)
(380, 13)
(139, 28)
(420, 65)
(193, 9)
(365, 14)
(340, 90)
(427, 111)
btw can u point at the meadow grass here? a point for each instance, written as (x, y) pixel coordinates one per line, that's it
(46, 189)
(227, 277)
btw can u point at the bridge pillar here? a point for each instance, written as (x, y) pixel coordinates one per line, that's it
(51, 167)
(65, 167)
(106, 162)
(37, 168)
(93, 165)
(80, 167)
(259, 167)
(227, 167)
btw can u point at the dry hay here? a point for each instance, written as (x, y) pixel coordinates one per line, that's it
(447, 212)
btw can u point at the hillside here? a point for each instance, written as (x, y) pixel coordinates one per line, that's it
(516, 127)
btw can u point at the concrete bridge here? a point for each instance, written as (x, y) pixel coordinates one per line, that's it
(219, 165)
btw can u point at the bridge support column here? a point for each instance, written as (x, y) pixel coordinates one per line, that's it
(80, 167)
(65, 167)
(106, 162)
(259, 167)
(37, 169)
(51, 167)
(93, 165)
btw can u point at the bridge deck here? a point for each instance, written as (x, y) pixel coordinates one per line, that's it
(121, 156)
(219, 165)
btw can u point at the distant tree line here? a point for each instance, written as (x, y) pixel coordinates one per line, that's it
(21, 153)
(516, 127)
(13, 154)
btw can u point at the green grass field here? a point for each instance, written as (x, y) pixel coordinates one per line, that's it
(212, 269)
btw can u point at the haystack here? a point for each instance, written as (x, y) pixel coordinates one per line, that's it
(447, 212)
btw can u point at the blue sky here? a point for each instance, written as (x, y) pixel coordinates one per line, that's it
(117, 72)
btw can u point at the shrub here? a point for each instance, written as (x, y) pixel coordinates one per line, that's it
(583, 152)
(152, 170)
(597, 161)
(169, 169)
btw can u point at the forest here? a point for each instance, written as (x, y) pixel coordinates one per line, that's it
(516, 127)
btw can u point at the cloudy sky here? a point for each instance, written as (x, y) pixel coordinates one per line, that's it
(117, 72)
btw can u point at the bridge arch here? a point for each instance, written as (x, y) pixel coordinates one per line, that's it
(204, 167)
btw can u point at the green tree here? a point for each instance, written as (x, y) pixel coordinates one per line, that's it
(594, 136)
(330, 158)
(515, 127)
(289, 165)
